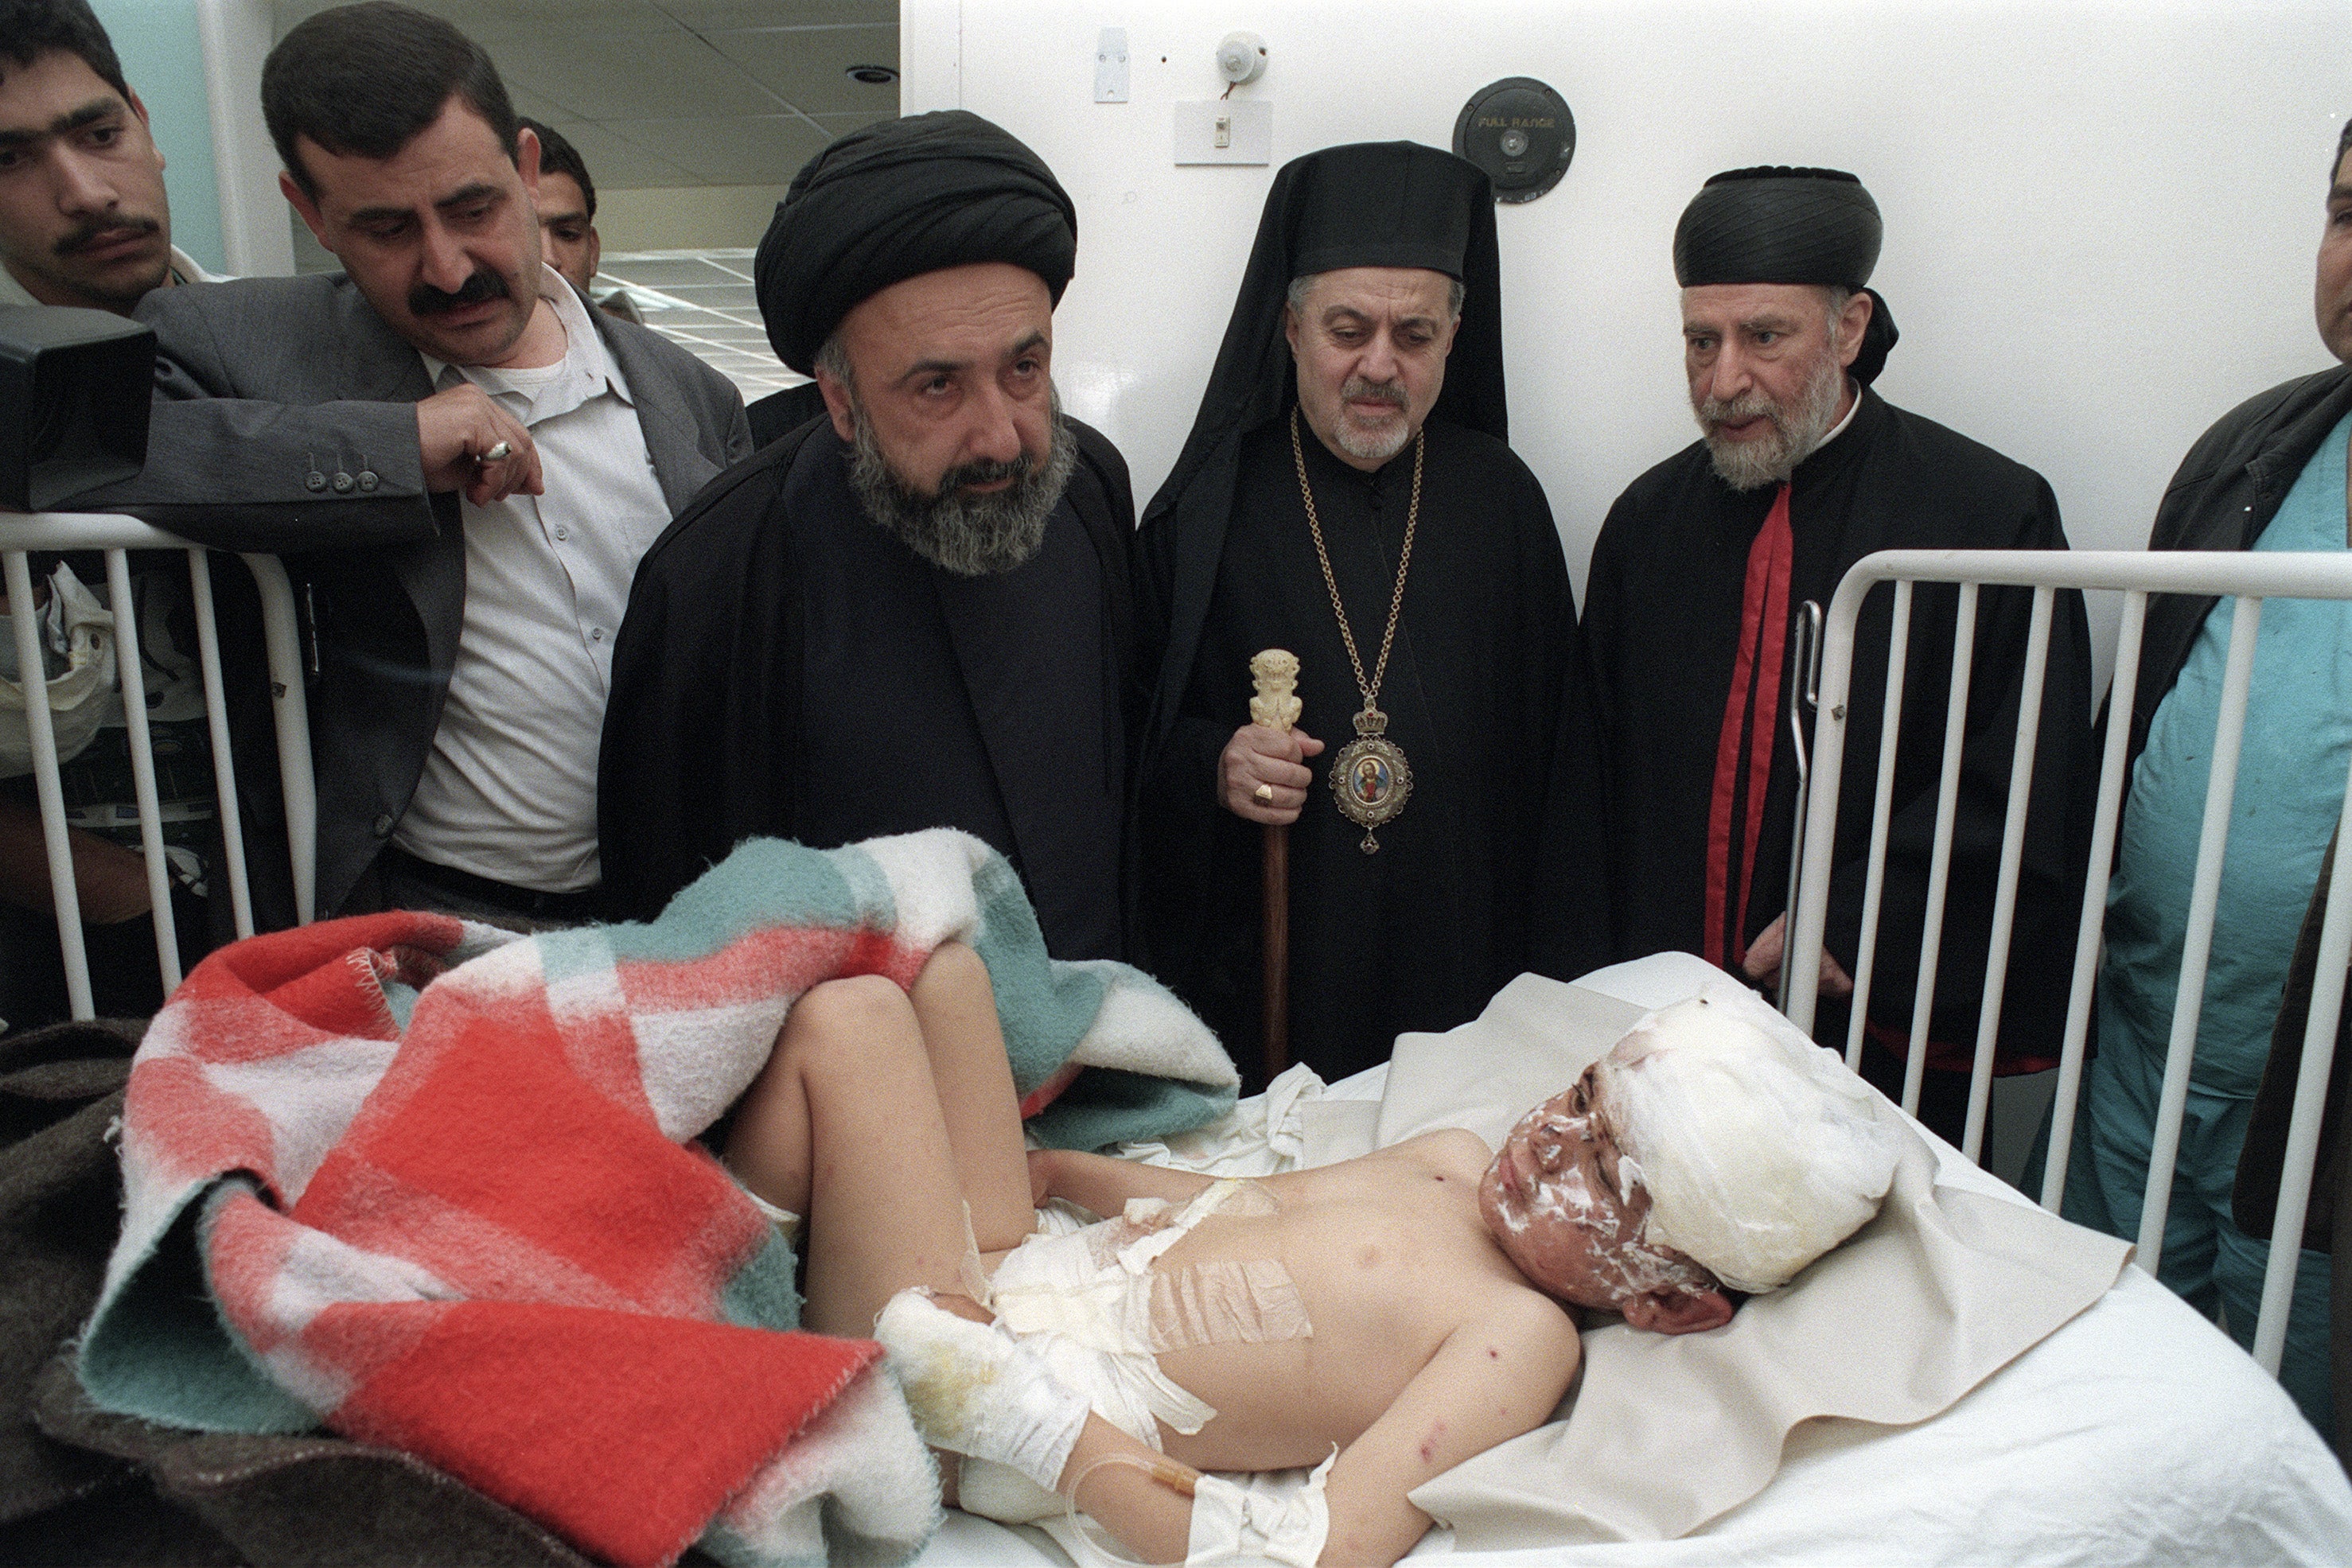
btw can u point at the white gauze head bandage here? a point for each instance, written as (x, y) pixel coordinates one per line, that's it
(1759, 1154)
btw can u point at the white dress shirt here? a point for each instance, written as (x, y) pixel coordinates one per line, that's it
(510, 791)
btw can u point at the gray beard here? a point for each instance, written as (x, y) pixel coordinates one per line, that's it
(1370, 447)
(970, 535)
(1797, 432)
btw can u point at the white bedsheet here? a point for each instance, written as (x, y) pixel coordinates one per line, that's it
(2139, 1433)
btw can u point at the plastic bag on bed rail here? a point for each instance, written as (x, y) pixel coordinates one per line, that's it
(77, 636)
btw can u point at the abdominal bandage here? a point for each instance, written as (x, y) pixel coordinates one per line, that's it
(1090, 1313)
(1099, 1299)
(1759, 1152)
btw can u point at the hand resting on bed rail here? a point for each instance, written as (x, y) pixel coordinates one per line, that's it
(1404, 1311)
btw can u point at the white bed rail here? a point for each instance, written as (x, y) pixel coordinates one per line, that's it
(116, 536)
(2249, 578)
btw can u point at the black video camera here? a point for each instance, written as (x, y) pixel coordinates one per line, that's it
(75, 388)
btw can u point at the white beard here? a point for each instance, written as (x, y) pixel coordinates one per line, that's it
(1797, 432)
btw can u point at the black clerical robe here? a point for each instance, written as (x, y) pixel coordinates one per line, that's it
(1485, 691)
(787, 668)
(1667, 611)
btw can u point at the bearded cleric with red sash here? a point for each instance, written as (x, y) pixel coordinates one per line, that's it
(1702, 561)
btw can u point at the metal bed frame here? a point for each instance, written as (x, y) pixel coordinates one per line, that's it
(116, 536)
(2248, 578)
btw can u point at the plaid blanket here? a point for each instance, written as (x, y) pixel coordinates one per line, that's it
(432, 1185)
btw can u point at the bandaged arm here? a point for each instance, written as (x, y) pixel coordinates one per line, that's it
(1101, 1185)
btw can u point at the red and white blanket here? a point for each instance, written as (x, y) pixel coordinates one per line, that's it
(432, 1186)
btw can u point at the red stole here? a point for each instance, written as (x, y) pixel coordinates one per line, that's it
(1755, 690)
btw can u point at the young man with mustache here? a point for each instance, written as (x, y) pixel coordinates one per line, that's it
(463, 460)
(83, 218)
(1802, 471)
(84, 222)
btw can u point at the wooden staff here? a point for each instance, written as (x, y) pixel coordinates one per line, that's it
(1274, 674)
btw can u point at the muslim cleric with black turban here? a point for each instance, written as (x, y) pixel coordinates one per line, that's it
(1688, 615)
(792, 666)
(1492, 865)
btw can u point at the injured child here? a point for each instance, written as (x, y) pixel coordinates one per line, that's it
(1383, 1320)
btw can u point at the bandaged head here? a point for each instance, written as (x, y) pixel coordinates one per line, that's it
(1777, 224)
(1759, 1154)
(897, 200)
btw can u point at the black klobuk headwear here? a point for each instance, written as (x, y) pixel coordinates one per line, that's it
(1372, 204)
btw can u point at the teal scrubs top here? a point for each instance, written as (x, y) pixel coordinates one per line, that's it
(2290, 793)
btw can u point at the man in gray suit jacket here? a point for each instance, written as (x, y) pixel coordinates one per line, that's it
(460, 458)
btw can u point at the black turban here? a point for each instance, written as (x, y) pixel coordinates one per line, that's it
(1815, 227)
(895, 201)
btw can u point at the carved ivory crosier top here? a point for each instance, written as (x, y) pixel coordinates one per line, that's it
(1277, 706)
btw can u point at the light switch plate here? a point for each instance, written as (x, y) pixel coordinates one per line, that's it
(1244, 126)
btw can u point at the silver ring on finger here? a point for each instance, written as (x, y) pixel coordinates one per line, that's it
(498, 454)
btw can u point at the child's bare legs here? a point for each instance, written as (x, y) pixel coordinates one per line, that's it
(956, 1009)
(880, 1115)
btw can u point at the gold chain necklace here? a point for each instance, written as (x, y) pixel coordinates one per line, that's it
(1369, 779)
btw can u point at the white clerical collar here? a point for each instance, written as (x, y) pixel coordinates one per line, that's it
(1839, 428)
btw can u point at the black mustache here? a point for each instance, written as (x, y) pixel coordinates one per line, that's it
(426, 300)
(97, 230)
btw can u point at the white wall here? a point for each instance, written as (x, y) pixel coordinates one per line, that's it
(2100, 218)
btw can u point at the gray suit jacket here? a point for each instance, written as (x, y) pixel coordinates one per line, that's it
(283, 422)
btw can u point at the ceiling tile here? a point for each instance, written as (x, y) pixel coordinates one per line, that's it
(743, 150)
(494, 22)
(617, 164)
(663, 272)
(555, 22)
(809, 70)
(665, 75)
(531, 106)
(703, 16)
(679, 93)
(838, 125)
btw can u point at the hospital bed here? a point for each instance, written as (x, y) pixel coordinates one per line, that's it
(116, 536)
(2136, 1433)
(2139, 1433)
